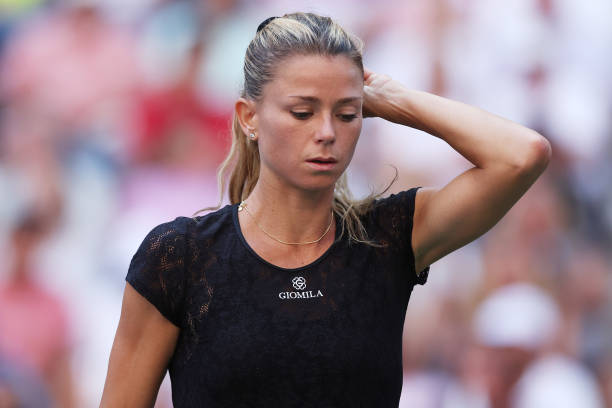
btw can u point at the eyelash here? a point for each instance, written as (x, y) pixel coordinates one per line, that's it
(306, 115)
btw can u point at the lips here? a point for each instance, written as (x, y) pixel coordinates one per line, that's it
(323, 160)
(322, 163)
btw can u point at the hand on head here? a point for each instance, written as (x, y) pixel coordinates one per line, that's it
(377, 90)
(374, 92)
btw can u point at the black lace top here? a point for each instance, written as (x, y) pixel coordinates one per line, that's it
(328, 334)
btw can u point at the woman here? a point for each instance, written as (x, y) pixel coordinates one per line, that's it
(295, 294)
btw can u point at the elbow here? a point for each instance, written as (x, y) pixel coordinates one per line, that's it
(539, 153)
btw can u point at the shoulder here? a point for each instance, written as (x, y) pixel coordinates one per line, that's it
(184, 224)
(168, 233)
(402, 202)
(178, 226)
(391, 215)
(177, 238)
(163, 244)
(182, 229)
(213, 223)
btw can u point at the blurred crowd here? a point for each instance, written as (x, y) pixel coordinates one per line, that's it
(114, 116)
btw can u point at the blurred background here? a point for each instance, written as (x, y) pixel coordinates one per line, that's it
(114, 116)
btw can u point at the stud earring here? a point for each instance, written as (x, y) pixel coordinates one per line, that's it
(252, 136)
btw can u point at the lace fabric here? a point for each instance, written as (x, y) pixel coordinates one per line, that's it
(255, 334)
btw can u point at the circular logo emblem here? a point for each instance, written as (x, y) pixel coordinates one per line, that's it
(299, 283)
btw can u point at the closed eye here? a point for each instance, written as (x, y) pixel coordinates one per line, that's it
(348, 118)
(306, 115)
(301, 115)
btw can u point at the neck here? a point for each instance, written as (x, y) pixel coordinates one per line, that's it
(292, 215)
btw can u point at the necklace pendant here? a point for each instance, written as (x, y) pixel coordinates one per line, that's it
(241, 206)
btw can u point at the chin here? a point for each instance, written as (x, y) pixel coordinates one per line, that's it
(322, 184)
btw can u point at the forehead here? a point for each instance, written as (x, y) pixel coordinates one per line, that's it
(316, 75)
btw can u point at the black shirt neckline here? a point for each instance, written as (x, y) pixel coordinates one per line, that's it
(234, 211)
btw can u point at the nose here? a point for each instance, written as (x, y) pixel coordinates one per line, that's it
(326, 133)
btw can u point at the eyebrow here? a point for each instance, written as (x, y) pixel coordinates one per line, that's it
(314, 99)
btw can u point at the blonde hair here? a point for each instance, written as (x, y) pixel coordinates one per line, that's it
(291, 34)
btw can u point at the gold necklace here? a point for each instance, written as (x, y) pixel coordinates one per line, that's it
(243, 206)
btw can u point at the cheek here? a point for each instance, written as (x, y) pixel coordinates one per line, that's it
(350, 142)
(278, 146)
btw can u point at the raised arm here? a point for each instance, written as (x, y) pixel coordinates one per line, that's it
(144, 342)
(507, 159)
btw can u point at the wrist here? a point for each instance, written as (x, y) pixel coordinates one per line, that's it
(402, 107)
(415, 109)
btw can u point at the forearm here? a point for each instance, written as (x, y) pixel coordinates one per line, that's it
(507, 159)
(485, 139)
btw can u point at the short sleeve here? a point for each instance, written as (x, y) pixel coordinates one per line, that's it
(394, 216)
(157, 269)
